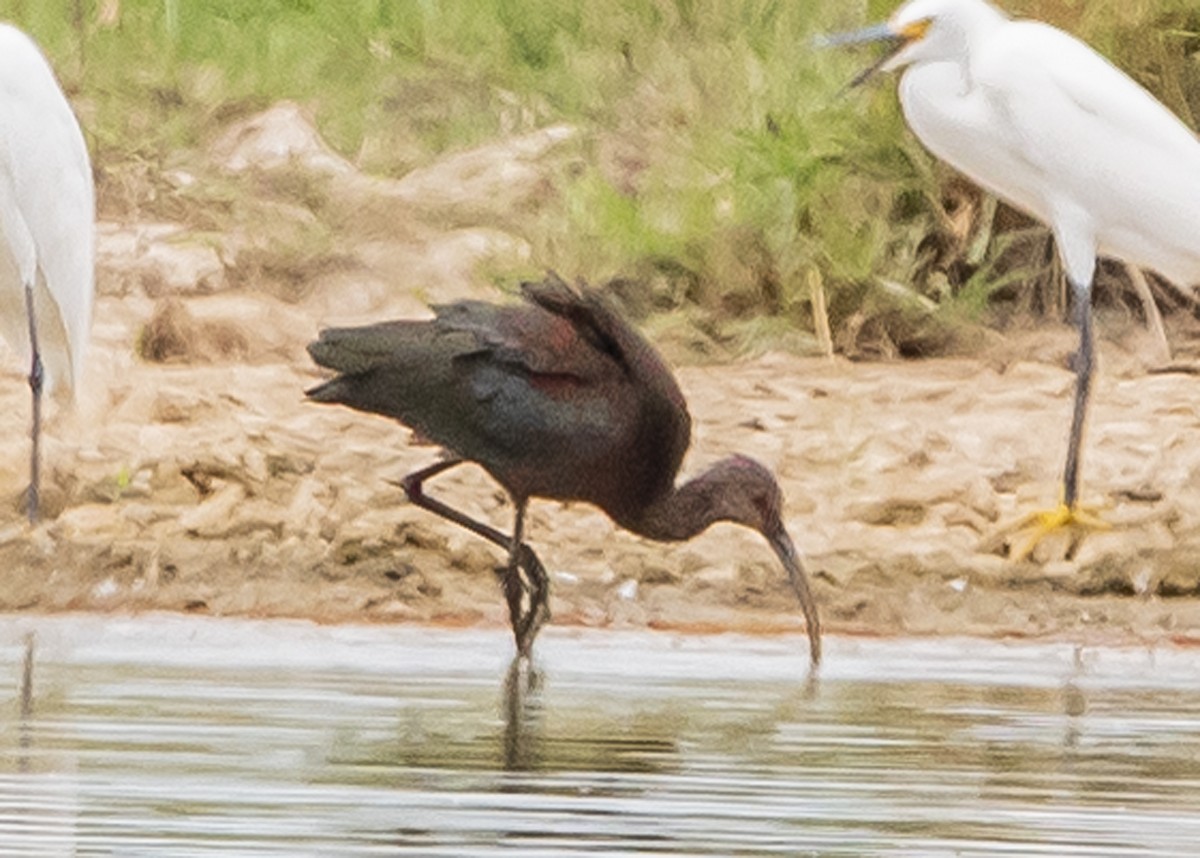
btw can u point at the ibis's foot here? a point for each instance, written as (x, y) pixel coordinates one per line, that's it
(527, 630)
(1024, 535)
(535, 584)
(524, 633)
(526, 627)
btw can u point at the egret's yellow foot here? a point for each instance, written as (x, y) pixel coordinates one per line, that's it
(1077, 520)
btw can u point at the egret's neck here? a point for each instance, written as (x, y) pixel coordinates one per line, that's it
(964, 36)
(978, 23)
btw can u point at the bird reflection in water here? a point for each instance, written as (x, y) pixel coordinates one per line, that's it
(522, 715)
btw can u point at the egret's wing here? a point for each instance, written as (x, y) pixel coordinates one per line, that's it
(1107, 158)
(1053, 85)
(47, 207)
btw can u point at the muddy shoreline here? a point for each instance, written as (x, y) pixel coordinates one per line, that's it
(218, 489)
(193, 475)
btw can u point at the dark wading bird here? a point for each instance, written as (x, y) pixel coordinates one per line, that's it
(555, 398)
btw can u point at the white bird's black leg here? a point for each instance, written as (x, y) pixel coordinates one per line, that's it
(36, 379)
(1084, 360)
(1069, 514)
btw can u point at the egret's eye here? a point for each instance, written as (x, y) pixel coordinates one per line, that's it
(915, 31)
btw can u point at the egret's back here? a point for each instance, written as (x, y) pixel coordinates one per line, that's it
(1043, 121)
(47, 213)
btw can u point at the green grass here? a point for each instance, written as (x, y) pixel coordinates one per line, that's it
(723, 163)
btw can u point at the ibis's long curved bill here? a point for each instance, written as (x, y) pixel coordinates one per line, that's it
(786, 551)
(876, 33)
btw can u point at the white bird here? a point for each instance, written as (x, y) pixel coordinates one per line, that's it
(1041, 120)
(47, 217)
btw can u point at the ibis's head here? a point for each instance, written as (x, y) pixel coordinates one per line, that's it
(923, 31)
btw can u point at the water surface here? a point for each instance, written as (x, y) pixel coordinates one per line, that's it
(180, 736)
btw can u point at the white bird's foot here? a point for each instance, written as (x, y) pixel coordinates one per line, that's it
(1023, 535)
(28, 504)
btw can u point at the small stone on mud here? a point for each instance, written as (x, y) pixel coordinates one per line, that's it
(391, 609)
(90, 520)
(106, 589)
(215, 514)
(1106, 580)
(1178, 582)
(1141, 494)
(173, 335)
(724, 575)
(653, 573)
(891, 512)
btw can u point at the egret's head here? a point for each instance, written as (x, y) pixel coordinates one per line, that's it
(923, 31)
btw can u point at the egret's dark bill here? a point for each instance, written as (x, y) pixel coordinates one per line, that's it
(876, 33)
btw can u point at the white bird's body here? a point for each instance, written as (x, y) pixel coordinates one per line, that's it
(47, 214)
(1044, 122)
(47, 232)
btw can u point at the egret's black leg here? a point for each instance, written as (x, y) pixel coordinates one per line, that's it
(35, 388)
(1084, 361)
(1069, 514)
(525, 627)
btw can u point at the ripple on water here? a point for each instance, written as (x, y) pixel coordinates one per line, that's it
(197, 737)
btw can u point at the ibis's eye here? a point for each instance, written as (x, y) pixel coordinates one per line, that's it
(915, 31)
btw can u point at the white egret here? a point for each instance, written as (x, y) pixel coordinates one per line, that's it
(1044, 122)
(47, 216)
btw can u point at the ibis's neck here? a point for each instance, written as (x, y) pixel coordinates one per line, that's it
(681, 513)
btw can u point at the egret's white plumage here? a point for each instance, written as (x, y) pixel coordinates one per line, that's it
(1040, 119)
(47, 215)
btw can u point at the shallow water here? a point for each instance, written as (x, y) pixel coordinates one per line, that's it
(178, 736)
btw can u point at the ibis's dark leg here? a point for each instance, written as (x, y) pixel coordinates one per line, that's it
(539, 602)
(524, 628)
(514, 592)
(35, 387)
(1084, 361)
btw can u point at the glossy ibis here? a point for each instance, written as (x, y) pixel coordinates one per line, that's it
(1041, 120)
(557, 398)
(47, 212)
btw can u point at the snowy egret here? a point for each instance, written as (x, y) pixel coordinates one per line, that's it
(1041, 120)
(47, 212)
